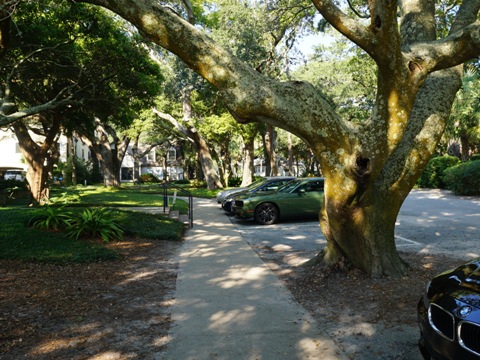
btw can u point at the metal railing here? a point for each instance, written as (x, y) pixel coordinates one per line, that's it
(171, 189)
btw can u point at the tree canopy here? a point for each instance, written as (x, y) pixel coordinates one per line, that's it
(64, 66)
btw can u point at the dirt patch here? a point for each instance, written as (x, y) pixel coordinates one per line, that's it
(108, 310)
(367, 318)
(120, 309)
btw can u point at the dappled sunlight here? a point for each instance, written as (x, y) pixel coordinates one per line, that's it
(310, 348)
(241, 276)
(227, 295)
(222, 321)
(209, 223)
(161, 341)
(143, 275)
(297, 258)
(108, 355)
(282, 247)
(296, 237)
(91, 332)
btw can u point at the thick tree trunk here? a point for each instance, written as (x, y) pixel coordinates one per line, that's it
(37, 178)
(362, 232)
(105, 157)
(40, 158)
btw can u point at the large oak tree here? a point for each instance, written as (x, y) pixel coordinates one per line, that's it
(371, 166)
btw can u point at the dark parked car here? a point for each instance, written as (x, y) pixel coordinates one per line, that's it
(449, 314)
(224, 193)
(300, 198)
(269, 184)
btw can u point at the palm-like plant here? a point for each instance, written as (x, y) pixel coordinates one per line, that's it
(95, 222)
(53, 218)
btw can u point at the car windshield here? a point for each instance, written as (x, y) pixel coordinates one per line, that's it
(290, 186)
(256, 183)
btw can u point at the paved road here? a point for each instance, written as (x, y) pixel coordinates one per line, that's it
(430, 221)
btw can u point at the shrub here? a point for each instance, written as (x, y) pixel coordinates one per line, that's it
(198, 183)
(234, 181)
(182, 182)
(149, 178)
(475, 157)
(81, 171)
(53, 218)
(464, 179)
(95, 222)
(433, 174)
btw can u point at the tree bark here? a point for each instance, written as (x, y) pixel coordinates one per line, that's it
(291, 171)
(109, 153)
(40, 158)
(248, 169)
(201, 147)
(269, 139)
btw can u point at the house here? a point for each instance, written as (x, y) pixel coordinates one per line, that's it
(12, 158)
(163, 167)
(168, 166)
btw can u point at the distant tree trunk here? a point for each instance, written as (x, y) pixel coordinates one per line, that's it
(465, 147)
(223, 166)
(248, 168)
(201, 147)
(71, 145)
(269, 146)
(109, 154)
(291, 171)
(136, 155)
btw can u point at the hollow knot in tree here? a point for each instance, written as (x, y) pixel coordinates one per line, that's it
(362, 166)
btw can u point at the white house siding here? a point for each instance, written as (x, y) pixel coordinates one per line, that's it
(10, 155)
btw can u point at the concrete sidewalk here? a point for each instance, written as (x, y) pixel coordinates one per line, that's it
(229, 305)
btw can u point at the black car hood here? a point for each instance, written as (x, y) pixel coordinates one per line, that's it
(462, 283)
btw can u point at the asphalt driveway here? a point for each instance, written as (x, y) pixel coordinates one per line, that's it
(430, 221)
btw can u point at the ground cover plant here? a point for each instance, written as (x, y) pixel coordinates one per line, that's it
(81, 210)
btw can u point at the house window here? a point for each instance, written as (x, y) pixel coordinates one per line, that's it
(151, 155)
(171, 155)
(126, 174)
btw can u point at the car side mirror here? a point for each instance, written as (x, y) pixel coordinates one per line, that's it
(301, 192)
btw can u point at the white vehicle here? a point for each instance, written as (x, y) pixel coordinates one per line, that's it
(18, 175)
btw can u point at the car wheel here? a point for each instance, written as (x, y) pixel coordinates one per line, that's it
(227, 207)
(266, 214)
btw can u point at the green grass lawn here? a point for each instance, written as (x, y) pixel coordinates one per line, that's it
(148, 195)
(22, 242)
